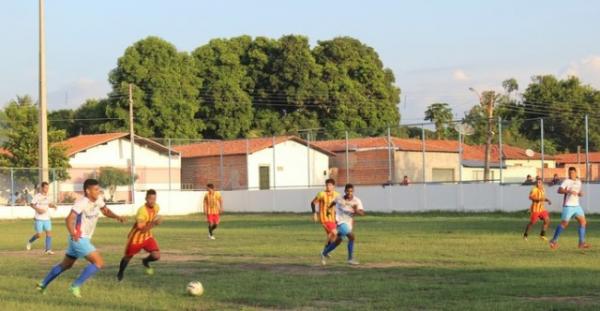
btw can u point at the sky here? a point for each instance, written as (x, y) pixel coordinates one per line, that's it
(436, 49)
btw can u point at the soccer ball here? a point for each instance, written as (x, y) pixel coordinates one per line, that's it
(195, 288)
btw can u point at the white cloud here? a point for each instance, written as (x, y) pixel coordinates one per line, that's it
(460, 75)
(587, 69)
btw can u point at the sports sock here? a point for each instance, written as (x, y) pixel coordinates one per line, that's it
(148, 260)
(87, 273)
(350, 249)
(543, 233)
(123, 266)
(557, 232)
(330, 247)
(33, 238)
(210, 229)
(48, 243)
(54, 272)
(581, 234)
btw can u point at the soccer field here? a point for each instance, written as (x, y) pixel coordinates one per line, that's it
(270, 262)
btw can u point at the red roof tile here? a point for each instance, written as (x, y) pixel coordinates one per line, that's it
(236, 147)
(403, 144)
(83, 142)
(572, 157)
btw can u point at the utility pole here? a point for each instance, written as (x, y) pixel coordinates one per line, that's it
(43, 116)
(489, 98)
(132, 141)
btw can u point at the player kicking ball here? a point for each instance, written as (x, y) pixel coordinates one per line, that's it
(140, 237)
(571, 189)
(345, 208)
(213, 207)
(537, 195)
(81, 224)
(42, 223)
(326, 214)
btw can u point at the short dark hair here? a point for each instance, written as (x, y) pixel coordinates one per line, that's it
(348, 186)
(150, 192)
(572, 168)
(210, 186)
(44, 183)
(330, 181)
(89, 182)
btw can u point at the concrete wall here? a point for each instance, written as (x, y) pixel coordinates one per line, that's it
(411, 164)
(197, 172)
(482, 197)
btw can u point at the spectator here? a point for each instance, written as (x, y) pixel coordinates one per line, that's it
(555, 180)
(14, 198)
(528, 181)
(405, 181)
(27, 196)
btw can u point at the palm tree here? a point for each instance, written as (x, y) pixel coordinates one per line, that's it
(441, 115)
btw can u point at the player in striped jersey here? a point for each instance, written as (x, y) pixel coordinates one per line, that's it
(326, 213)
(140, 237)
(537, 210)
(213, 207)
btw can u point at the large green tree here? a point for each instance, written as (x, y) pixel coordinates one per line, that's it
(441, 115)
(19, 129)
(165, 91)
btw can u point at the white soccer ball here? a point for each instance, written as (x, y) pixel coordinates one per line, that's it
(195, 288)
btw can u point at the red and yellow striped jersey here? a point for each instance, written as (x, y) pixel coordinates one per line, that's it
(212, 203)
(145, 215)
(537, 194)
(324, 200)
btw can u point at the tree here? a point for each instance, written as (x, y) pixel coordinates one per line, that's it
(111, 177)
(165, 93)
(19, 128)
(89, 118)
(441, 115)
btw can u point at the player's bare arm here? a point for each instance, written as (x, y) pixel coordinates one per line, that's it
(313, 208)
(110, 214)
(70, 222)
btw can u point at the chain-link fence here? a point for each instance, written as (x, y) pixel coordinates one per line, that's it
(513, 152)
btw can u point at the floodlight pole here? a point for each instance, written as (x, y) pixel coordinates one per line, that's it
(43, 111)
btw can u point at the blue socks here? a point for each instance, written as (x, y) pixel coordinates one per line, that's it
(559, 230)
(87, 273)
(33, 238)
(350, 249)
(54, 272)
(48, 243)
(581, 234)
(329, 248)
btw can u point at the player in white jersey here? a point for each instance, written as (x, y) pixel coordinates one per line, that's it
(42, 223)
(346, 207)
(571, 188)
(81, 224)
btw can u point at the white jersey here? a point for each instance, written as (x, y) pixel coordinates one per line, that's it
(571, 185)
(87, 216)
(41, 202)
(344, 211)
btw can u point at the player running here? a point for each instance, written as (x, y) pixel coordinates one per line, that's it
(42, 223)
(346, 207)
(81, 223)
(538, 197)
(326, 213)
(140, 237)
(571, 188)
(213, 207)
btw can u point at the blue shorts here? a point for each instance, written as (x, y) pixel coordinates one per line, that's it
(42, 225)
(344, 229)
(81, 248)
(569, 212)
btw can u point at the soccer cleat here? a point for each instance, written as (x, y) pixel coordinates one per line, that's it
(584, 246)
(149, 271)
(41, 288)
(28, 247)
(553, 244)
(525, 238)
(120, 276)
(211, 237)
(48, 252)
(76, 291)
(323, 259)
(543, 237)
(353, 262)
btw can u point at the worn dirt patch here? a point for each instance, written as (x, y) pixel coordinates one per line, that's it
(286, 268)
(578, 300)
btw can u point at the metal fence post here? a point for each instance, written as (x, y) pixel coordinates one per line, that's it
(587, 150)
(12, 187)
(274, 165)
(55, 182)
(542, 142)
(423, 151)
(460, 157)
(169, 147)
(247, 164)
(500, 163)
(221, 172)
(308, 158)
(390, 172)
(347, 161)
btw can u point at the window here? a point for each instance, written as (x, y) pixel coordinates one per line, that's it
(264, 182)
(442, 174)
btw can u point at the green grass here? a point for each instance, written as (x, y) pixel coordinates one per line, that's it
(408, 262)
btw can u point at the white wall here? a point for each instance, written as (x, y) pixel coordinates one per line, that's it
(414, 198)
(291, 169)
